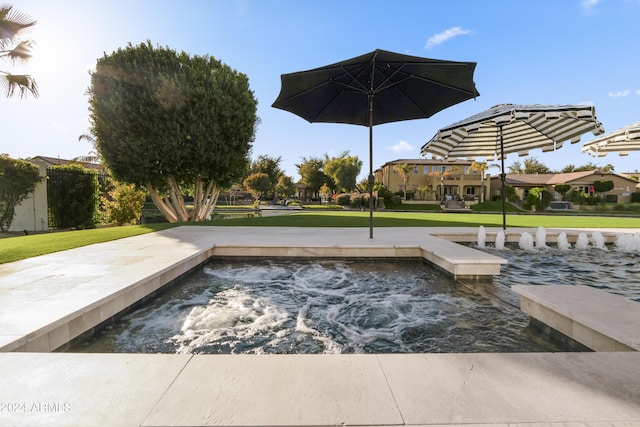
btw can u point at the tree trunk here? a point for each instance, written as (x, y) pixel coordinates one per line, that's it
(175, 210)
(176, 200)
(164, 208)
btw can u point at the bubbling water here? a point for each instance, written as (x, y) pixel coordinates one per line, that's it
(563, 241)
(500, 240)
(350, 306)
(541, 238)
(628, 242)
(482, 237)
(583, 241)
(598, 240)
(526, 241)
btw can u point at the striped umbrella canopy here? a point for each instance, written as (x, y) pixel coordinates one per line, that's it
(619, 141)
(510, 128)
(520, 127)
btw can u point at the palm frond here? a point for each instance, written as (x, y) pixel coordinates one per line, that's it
(21, 52)
(11, 23)
(24, 84)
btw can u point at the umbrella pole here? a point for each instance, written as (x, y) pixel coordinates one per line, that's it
(371, 178)
(503, 177)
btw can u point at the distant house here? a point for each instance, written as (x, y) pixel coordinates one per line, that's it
(581, 181)
(32, 214)
(438, 179)
(53, 161)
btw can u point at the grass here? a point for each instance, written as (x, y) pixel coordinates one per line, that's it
(428, 219)
(21, 247)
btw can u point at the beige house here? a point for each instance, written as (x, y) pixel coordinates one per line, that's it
(434, 179)
(582, 181)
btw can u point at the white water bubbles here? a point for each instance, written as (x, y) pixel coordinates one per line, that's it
(598, 240)
(628, 242)
(526, 241)
(482, 237)
(583, 241)
(541, 238)
(500, 238)
(563, 241)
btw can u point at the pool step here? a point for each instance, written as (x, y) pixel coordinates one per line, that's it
(593, 317)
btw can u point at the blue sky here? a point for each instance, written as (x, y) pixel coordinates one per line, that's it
(543, 52)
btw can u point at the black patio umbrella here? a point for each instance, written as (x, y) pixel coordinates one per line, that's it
(376, 88)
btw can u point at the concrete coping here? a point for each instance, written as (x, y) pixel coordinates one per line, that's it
(596, 318)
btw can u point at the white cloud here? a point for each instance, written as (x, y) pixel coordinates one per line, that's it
(400, 147)
(589, 5)
(444, 36)
(619, 94)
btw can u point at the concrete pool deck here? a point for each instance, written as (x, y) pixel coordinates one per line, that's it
(46, 301)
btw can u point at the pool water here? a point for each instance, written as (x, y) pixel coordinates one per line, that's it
(611, 269)
(326, 306)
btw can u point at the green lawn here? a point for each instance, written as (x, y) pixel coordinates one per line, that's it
(21, 247)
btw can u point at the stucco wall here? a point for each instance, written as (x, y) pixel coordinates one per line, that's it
(31, 214)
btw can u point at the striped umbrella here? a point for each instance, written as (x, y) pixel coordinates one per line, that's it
(620, 141)
(509, 128)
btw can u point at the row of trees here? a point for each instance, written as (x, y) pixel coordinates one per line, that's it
(531, 165)
(265, 178)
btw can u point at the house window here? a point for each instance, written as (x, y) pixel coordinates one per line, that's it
(466, 170)
(415, 169)
(471, 191)
(425, 170)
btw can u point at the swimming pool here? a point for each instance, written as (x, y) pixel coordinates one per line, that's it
(321, 306)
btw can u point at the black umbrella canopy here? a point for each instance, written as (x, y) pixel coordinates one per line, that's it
(375, 88)
(400, 87)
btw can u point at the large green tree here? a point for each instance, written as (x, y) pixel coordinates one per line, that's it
(311, 173)
(344, 170)
(285, 187)
(13, 48)
(258, 184)
(271, 167)
(174, 123)
(18, 178)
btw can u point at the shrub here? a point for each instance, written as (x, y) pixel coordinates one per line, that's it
(384, 193)
(356, 201)
(577, 197)
(343, 199)
(125, 204)
(538, 198)
(602, 186)
(396, 200)
(73, 196)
